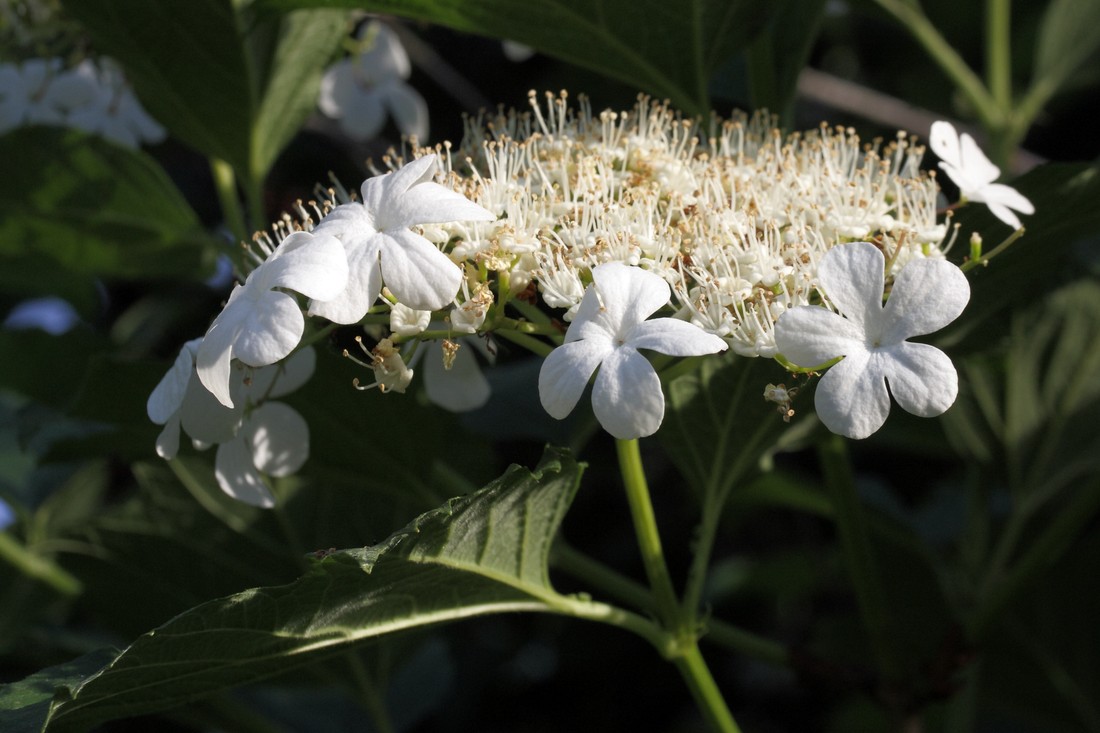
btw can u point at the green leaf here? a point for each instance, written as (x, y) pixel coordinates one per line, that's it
(187, 62)
(668, 50)
(306, 44)
(479, 554)
(94, 208)
(1064, 195)
(719, 427)
(25, 705)
(776, 57)
(1069, 36)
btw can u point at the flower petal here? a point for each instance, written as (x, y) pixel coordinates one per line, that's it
(281, 379)
(852, 399)
(566, 371)
(216, 350)
(944, 141)
(278, 437)
(417, 273)
(623, 297)
(238, 477)
(922, 378)
(409, 110)
(167, 396)
(979, 169)
(674, 337)
(627, 397)
(852, 276)
(364, 285)
(206, 419)
(168, 442)
(810, 335)
(462, 387)
(927, 295)
(314, 265)
(272, 328)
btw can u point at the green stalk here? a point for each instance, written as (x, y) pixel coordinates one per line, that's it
(645, 531)
(914, 20)
(999, 74)
(855, 542)
(37, 567)
(684, 650)
(225, 183)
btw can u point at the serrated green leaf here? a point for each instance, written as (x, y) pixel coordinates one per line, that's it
(668, 50)
(479, 554)
(94, 208)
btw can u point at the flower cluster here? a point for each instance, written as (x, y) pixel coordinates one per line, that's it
(741, 238)
(91, 96)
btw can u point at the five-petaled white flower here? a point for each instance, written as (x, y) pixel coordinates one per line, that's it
(974, 174)
(607, 331)
(360, 90)
(852, 398)
(381, 246)
(261, 323)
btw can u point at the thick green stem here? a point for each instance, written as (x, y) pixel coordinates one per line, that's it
(998, 75)
(859, 557)
(681, 625)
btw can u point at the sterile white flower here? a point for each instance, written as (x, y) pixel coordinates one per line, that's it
(360, 90)
(273, 440)
(607, 331)
(853, 397)
(261, 323)
(974, 174)
(115, 113)
(381, 246)
(38, 92)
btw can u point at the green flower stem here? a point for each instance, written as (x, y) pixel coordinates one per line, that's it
(684, 649)
(998, 51)
(910, 15)
(531, 312)
(855, 541)
(530, 343)
(645, 530)
(1000, 248)
(37, 567)
(693, 668)
(618, 586)
(225, 183)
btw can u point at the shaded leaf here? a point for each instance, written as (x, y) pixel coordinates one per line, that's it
(187, 62)
(1069, 36)
(94, 208)
(667, 50)
(479, 554)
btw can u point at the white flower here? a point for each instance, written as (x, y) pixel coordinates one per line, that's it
(254, 436)
(273, 440)
(852, 398)
(381, 247)
(974, 174)
(607, 332)
(115, 113)
(37, 92)
(359, 91)
(261, 323)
